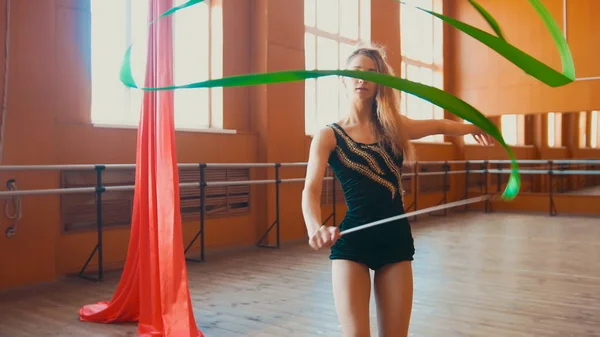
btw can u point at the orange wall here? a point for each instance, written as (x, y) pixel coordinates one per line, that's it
(483, 78)
(495, 86)
(49, 96)
(48, 122)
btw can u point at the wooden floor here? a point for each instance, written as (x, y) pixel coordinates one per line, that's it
(496, 275)
(586, 191)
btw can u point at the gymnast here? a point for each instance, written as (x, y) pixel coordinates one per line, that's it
(366, 151)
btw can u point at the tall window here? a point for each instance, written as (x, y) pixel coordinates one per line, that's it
(196, 57)
(554, 129)
(582, 129)
(332, 29)
(594, 135)
(513, 129)
(422, 57)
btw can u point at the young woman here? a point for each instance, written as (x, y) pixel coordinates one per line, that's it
(366, 150)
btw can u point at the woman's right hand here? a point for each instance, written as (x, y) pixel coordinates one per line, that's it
(325, 236)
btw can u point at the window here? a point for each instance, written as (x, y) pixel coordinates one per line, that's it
(582, 129)
(594, 136)
(197, 55)
(554, 129)
(332, 29)
(513, 129)
(422, 57)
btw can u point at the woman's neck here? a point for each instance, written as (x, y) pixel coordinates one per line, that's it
(360, 112)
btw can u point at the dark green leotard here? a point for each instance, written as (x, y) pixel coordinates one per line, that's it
(371, 178)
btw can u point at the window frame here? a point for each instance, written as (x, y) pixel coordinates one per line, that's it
(436, 67)
(519, 129)
(554, 130)
(212, 113)
(311, 108)
(594, 122)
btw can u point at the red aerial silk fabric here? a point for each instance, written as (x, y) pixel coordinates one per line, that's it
(153, 289)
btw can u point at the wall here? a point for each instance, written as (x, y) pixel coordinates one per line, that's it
(48, 117)
(496, 86)
(49, 95)
(48, 122)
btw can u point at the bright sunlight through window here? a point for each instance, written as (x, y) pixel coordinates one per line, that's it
(196, 57)
(422, 58)
(513, 129)
(332, 29)
(594, 135)
(554, 129)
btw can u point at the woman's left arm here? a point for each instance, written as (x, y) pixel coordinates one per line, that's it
(418, 129)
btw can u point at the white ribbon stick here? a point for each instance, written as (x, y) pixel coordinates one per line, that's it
(421, 211)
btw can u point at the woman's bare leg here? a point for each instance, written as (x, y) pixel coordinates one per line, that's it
(394, 296)
(352, 292)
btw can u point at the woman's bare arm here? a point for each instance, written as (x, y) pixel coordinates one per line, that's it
(320, 148)
(418, 129)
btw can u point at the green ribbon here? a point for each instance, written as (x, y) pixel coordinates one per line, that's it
(526, 62)
(434, 95)
(489, 18)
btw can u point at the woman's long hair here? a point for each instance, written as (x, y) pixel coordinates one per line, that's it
(389, 127)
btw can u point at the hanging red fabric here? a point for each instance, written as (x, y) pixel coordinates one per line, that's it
(153, 289)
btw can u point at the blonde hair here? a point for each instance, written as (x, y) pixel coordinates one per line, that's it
(390, 129)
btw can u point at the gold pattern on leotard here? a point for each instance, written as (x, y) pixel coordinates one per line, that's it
(391, 165)
(352, 146)
(364, 170)
(373, 164)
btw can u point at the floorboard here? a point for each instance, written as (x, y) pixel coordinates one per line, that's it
(475, 275)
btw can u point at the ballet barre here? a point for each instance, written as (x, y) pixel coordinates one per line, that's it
(551, 168)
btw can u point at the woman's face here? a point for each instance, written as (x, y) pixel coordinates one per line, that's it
(359, 89)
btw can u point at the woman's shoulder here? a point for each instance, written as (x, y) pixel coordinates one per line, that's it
(325, 138)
